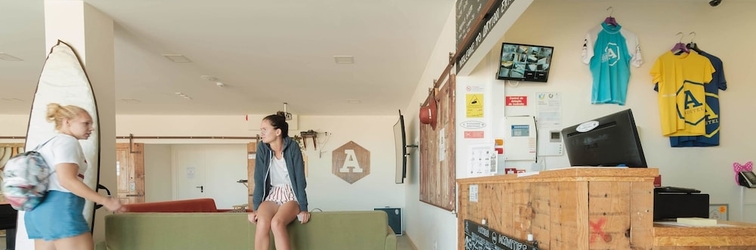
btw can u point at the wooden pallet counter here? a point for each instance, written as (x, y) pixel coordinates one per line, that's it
(727, 235)
(571, 208)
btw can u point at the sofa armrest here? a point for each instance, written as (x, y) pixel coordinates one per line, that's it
(101, 246)
(390, 240)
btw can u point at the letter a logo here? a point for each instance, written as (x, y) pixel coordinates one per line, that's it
(690, 99)
(350, 162)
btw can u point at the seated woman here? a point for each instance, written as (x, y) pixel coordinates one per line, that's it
(279, 196)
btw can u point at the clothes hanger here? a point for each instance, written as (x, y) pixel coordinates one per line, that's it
(680, 46)
(610, 20)
(692, 45)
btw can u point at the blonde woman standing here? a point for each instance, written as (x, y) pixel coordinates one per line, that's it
(58, 223)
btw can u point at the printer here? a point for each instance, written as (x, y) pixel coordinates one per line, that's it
(671, 203)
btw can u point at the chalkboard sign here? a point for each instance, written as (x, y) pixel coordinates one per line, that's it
(491, 19)
(467, 11)
(479, 237)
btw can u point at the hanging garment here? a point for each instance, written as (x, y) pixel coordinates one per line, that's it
(681, 96)
(711, 138)
(609, 51)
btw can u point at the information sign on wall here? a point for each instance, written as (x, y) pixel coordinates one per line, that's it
(351, 162)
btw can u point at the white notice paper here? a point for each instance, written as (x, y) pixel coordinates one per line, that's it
(482, 160)
(549, 105)
(473, 193)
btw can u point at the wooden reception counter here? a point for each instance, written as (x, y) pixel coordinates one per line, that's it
(584, 208)
(726, 235)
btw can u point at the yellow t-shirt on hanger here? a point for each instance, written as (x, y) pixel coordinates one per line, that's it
(682, 99)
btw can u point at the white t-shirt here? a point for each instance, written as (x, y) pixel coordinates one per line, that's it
(62, 149)
(279, 174)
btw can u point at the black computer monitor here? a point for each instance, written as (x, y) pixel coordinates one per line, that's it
(607, 141)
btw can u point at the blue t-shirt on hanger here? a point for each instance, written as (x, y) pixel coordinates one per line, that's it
(610, 50)
(711, 138)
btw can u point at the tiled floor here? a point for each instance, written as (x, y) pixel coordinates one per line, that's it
(402, 243)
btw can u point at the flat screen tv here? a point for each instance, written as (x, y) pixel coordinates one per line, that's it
(400, 145)
(525, 62)
(606, 141)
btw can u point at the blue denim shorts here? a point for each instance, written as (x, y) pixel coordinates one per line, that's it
(58, 216)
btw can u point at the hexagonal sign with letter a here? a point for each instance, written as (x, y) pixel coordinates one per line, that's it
(351, 162)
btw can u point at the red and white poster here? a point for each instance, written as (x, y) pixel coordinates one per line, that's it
(517, 100)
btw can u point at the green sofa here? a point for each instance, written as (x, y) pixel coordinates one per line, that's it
(348, 230)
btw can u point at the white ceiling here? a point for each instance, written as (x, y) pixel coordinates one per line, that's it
(265, 52)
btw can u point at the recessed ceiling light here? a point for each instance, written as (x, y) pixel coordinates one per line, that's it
(209, 78)
(9, 57)
(344, 59)
(177, 58)
(354, 101)
(183, 95)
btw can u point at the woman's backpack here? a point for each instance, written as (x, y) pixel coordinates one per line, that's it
(25, 179)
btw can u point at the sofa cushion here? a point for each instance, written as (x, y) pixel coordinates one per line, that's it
(177, 206)
(186, 231)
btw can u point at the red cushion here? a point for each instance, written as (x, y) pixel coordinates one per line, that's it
(177, 206)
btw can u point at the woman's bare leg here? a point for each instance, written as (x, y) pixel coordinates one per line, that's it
(265, 214)
(43, 245)
(285, 215)
(80, 242)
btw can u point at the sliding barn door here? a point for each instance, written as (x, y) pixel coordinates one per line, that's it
(130, 172)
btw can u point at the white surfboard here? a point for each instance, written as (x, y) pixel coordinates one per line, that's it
(63, 80)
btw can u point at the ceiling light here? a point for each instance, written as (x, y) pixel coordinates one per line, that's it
(8, 57)
(209, 78)
(344, 59)
(177, 58)
(183, 95)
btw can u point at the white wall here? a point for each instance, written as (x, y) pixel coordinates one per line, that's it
(329, 192)
(13, 125)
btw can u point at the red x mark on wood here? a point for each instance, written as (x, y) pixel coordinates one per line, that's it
(596, 230)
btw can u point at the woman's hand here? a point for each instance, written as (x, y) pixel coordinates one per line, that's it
(252, 217)
(303, 217)
(113, 205)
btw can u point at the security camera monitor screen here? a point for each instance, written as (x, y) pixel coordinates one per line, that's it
(524, 62)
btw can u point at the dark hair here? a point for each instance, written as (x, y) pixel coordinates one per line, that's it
(278, 121)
